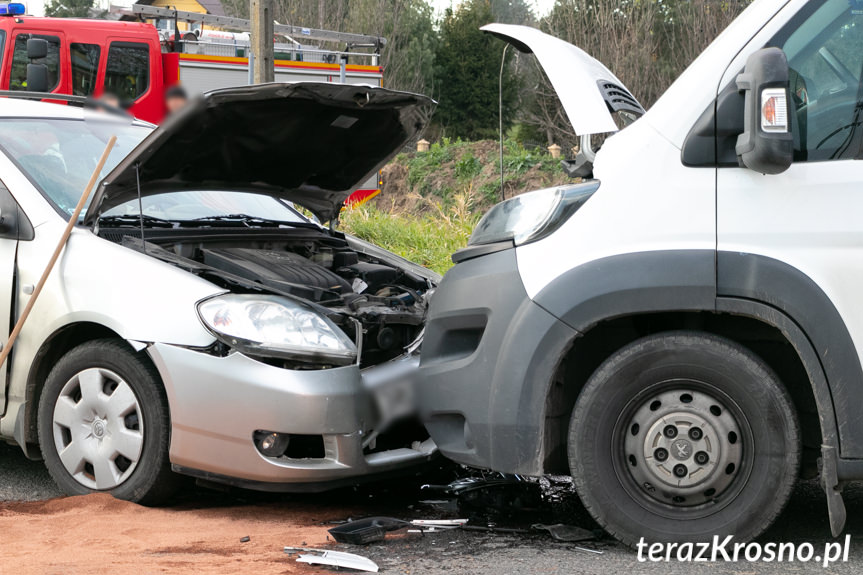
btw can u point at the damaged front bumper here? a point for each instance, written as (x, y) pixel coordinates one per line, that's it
(331, 418)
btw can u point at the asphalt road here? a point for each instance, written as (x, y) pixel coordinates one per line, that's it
(804, 521)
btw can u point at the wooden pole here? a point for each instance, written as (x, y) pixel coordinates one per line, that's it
(262, 41)
(63, 239)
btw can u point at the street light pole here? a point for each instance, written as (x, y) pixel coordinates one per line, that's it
(262, 41)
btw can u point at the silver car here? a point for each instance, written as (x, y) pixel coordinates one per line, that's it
(200, 321)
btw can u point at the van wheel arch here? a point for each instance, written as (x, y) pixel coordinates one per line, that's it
(759, 328)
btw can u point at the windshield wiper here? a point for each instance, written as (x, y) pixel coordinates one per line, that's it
(246, 220)
(135, 219)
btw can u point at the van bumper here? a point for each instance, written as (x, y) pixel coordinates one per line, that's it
(488, 360)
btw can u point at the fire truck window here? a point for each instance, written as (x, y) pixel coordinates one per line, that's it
(127, 74)
(18, 78)
(85, 66)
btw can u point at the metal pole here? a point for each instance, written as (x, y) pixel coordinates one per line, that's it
(262, 41)
(500, 117)
(251, 66)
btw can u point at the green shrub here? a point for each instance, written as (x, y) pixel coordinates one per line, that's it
(427, 239)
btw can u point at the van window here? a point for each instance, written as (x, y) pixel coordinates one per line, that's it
(18, 77)
(822, 44)
(127, 73)
(85, 66)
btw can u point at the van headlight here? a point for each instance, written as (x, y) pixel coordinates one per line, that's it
(532, 216)
(274, 326)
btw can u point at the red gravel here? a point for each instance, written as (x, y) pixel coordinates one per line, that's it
(97, 534)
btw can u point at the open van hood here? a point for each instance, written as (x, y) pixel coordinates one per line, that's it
(308, 143)
(589, 92)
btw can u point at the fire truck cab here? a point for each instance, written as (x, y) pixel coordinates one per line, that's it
(90, 58)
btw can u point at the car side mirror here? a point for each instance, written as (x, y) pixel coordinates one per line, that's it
(37, 73)
(766, 144)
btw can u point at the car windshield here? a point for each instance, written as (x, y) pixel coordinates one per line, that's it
(59, 155)
(195, 205)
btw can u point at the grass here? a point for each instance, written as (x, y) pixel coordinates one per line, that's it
(428, 239)
(445, 191)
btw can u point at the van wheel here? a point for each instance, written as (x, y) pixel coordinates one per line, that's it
(681, 436)
(104, 424)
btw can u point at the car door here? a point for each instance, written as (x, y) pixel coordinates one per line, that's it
(795, 240)
(14, 226)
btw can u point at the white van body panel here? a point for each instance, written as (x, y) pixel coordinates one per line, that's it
(766, 215)
(647, 201)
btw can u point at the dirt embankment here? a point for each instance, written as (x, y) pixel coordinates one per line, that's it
(414, 182)
(97, 534)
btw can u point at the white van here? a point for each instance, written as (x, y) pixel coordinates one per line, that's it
(682, 332)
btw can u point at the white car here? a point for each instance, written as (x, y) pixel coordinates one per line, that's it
(197, 322)
(682, 332)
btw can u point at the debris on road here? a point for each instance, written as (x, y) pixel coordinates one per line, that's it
(245, 539)
(374, 529)
(494, 494)
(563, 532)
(331, 558)
(368, 530)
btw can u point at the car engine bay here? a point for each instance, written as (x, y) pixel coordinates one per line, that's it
(314, 265)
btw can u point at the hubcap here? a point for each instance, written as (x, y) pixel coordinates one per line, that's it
(683, 447)
(98, 429)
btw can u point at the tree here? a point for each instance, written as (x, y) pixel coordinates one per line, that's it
(512, 12)
(68, 8)
(645, 43)
(467, 65)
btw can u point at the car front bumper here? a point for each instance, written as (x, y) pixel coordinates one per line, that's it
(218, 403)
(487, 363)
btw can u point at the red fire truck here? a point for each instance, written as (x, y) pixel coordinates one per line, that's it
(134, 62)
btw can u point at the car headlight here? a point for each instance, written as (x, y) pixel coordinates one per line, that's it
(532, 216)
(273, 326)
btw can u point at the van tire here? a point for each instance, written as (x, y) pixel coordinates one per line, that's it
(640, 469)
(132, 433)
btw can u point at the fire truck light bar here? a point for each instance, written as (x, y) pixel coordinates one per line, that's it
(13, 9)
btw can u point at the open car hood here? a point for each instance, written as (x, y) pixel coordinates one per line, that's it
(589, 92)
(308, 143)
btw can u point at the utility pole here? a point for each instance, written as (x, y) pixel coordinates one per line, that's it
(262, 41)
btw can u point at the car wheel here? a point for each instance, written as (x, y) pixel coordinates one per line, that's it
(682, 436)
(104, 424)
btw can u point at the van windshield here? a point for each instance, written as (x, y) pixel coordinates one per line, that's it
(59, 155)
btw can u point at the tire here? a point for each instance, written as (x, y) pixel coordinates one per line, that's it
(733, 477)
(103, 407)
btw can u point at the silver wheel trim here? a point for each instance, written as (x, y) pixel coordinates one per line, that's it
(693, 471)
(98, 429)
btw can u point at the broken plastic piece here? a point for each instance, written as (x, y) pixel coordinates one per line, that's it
(333, 559)
(563, 532)
(365, 531)
(439, 523)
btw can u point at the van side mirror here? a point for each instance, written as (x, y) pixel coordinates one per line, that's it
(766, 144)
(37, 73)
